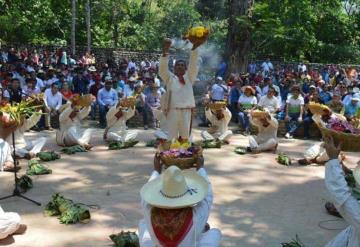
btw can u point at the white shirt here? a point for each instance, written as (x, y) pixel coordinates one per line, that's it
(218, 92)
(295, 104)
(52, 101)
(182, 96)
(265, 133)
(247, 102)
(272, 104)
(345, 203)
(39, 83)
(267, 66)
(223, 123)
(200, 216)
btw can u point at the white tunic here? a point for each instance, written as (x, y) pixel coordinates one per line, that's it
(345, 203)
(117, 127)
(195, 236)
(5, 153)
(70, 132)
(9, 223)
(222, 132)
(265, 133)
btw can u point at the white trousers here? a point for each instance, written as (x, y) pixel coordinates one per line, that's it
(179, 123)
(210, 238)
(9, 223)
(5, 154)
(32, 147)
(122, 136)
(160, 134)
(265, 146)
(316, 151)
(223, 137)
(74, 137)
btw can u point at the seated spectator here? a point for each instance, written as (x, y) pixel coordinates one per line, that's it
(235, 93)
(326, 94)
(107, 97)
(129, 87)
(30, 88)
(351, 109)
(53, 102)
(152, 102)
(66, 92)
(94, 89)
(14, 93)
(219, 90)
(270, 102)
(246, 102)
(140, 100)
(294, 111)
(335, 104)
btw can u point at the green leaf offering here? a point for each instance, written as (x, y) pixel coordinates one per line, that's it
(48, 156)
(211, 143)
(116, 145)
(25, 183)
(35, 168)
(73, 149)
(240, 150)
(125, 239)
(294, 243)
(67, 211)
(283, 159)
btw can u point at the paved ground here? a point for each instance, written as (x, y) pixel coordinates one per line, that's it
(257, 202)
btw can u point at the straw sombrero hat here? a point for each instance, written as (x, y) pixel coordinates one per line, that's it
(248, 88)
(175, 189)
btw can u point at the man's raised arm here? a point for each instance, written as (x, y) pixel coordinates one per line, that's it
(164, 62)
(193, 65)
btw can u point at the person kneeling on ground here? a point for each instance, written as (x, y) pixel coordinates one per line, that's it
(266, 140)
(70, 132)
(344, 201)
(219, 125)
(116, 124)
(176, 206)
(25, 148)
(6, 160)
(10, 225)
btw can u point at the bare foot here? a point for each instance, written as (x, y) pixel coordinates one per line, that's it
(21, 230)
(88, 146)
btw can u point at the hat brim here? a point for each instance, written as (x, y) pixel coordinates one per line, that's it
(151, 194)
(249, 88)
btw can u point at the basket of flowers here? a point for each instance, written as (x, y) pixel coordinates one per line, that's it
(36, 100)
(82, 100)
(318, 109)
(15, 114)
(259, 112)
(128, 102)
(179, 153)
(342, 131)
(197, 34)
(217, 105)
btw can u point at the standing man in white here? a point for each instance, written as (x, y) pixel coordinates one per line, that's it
(180, 86)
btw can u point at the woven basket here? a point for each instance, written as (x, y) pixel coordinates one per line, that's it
(259, 114)
(318, 109)
(128, 102)
(182, 163)
(350, 142)
(85, 100)
(217, 105)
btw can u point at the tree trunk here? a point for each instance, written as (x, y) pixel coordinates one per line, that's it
(73, 25)
(239, 34)
(88, 25)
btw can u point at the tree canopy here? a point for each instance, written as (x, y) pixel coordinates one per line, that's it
(309, 30)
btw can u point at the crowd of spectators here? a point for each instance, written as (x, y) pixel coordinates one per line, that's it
(59, 75)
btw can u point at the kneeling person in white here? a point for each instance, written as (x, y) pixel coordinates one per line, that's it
(176, 208)
(116, 124)
(266, 140)
(10, 224)
(6, 159)
(70, 132)
(219, 121)
(26, 148)
(346, 204)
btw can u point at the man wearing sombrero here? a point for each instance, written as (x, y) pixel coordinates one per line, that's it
(342, 196)
(219, 120)
(180, 86)
(266, 139)
(176, 206)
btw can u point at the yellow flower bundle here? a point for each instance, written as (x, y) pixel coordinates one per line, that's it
(197, 34)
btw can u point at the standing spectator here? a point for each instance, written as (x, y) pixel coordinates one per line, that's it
(246, 102)
(266, 67)
(53, 102)
(222, 69)
(235, 93)
(14, 93)
(219, 91)
(152, 102)
(94, 89)
(106, 97)
(252, 68)
(294, 111)
(66, 92)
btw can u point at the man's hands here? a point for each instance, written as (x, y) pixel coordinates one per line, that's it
(73, 114)
(157, 163)
(166, 46)
(332, 150)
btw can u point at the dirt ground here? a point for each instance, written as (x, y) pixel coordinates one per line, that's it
(257, 202)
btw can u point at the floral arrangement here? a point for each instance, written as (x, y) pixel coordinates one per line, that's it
(342, 126)
(14, 114)
(197, 34)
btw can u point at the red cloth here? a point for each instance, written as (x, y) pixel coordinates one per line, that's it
(171, 225)
(181, 79)
(67, 95)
